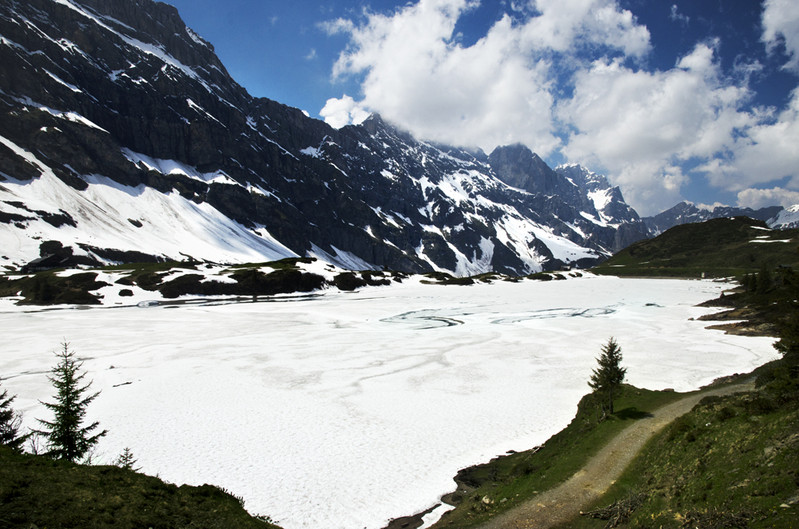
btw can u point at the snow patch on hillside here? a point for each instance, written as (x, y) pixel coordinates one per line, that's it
(173, 167)
(110, 215)
(787, 218)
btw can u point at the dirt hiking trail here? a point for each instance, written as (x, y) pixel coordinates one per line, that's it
(564, 502)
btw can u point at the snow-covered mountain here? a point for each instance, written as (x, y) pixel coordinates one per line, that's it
(786, 218)
(687, 212)
(123, 138)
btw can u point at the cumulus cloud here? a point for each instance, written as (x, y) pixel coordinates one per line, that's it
(781, 25)
(641, 126)
(763, 152)
(498, 90)
(339, 112)
(760, 198)
(564, 25)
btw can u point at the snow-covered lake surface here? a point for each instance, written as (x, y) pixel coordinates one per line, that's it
(344, 410)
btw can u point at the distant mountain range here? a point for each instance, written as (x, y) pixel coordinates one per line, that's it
(687, 213)
(123, 138)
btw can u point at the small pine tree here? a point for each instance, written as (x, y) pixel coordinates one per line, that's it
(608, 377)
(126, 460)
(764, 280)
(10, 422)
(788, 344)
(65, 436)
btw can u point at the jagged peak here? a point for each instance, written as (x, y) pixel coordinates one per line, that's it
(518, 149)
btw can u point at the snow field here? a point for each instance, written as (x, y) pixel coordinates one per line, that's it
(349, 409)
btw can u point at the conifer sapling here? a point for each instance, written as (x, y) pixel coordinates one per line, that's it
(608, 377)
(66, 437)
(10, 422)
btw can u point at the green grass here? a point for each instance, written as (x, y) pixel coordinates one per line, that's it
(47, 288)
(716, 248)
(163, 266)
(485, 490)
(36, 491)
(289, 263)
(731, 462)
(669, 270)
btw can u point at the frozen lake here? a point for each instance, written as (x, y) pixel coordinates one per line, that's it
(347, 409)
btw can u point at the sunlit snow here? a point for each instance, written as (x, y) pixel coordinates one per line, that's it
(104, 213)
(343, 410)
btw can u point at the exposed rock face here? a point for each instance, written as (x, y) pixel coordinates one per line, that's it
(100, 93)
(571, 195)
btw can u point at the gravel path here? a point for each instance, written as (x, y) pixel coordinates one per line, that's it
(564, 502)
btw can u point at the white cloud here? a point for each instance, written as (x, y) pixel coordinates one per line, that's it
(563, 25)
(760, 198)
(676, 16)
(343, 111)
(498, 90)
(781, 25)
(641, 126)
(766, 151)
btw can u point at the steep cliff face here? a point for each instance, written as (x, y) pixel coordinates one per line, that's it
(121, 133)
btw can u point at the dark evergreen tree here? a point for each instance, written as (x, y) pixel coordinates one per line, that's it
(65, 435)
(749, 283)
(606, 380)
(126, 460)
(10, 422)
(764, 280)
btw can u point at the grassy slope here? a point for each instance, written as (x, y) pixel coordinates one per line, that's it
(36, 491)
(506, 481)
(731, 462)
(717, 248)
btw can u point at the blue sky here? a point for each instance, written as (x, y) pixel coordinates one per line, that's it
(672, 100)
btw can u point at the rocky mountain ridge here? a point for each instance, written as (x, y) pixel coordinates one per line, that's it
(689, 213)
(119, 124)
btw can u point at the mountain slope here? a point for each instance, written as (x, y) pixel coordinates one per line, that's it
(40, 491)
(715, 248)
(786, 218)
(122, 135)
